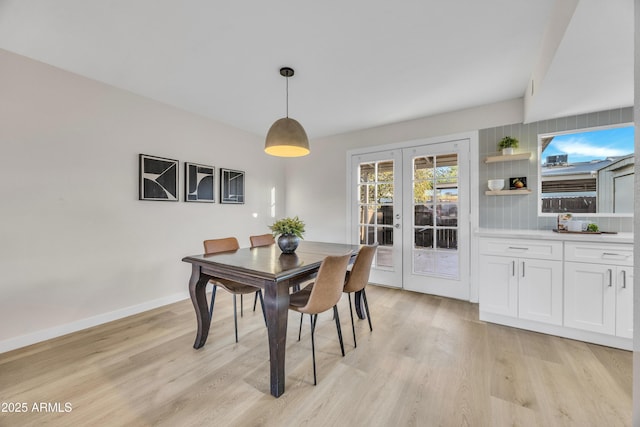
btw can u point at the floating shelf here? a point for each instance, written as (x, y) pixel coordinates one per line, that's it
(507, 158)
(508, 192)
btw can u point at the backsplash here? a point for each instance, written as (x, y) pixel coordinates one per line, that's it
(520, 212)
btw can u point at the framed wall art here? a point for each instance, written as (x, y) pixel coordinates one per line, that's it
(158, 178)
(231, 186)
(199, 183)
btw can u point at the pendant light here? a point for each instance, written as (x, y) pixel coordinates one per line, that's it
(286, 137)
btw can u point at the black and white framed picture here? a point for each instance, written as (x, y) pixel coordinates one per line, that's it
(231, 186)
(158, 178)
(199, 183)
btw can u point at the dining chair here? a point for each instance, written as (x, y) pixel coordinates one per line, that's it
(322, 295)
(357, 280)
(262, 240)
(256, 241)
(227, 244)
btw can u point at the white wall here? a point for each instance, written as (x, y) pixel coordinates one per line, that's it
(77, 247)
(316, 184)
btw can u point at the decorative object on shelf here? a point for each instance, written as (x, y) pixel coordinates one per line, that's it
(158, 178)
(287, 137)
(289, 232)
(518, 183)
(495, 184)
(507, 144)
(563, 219)
(231, 186)
(199, 183)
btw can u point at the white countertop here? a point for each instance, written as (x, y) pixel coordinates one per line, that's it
(624, 237)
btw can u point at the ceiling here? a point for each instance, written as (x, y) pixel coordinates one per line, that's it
(359, 63)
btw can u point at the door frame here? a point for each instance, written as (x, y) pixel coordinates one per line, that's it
(474, 191)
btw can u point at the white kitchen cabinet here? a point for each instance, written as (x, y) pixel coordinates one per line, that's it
(522, 279)
(570, 285)
(598, 288)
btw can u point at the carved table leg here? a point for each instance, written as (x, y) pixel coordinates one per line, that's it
(197, 290)
(276, 303)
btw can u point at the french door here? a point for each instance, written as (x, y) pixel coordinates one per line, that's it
(414, 202)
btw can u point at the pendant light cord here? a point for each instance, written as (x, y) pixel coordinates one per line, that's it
(287, 97)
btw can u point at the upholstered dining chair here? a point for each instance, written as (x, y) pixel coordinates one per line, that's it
(214, 246)
(256, 241)
(322, 295)
(262, 240)
(357, 280)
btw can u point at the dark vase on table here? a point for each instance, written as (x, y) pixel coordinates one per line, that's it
(288, 243)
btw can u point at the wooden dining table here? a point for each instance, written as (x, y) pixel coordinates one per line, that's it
(272, 271)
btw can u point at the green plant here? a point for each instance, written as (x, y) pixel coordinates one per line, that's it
(592, 227)
(508, 142)
(293, 226)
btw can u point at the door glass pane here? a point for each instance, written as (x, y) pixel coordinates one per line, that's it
(385, 215)
(367, 215)
(376, 215)
(367, 172)
(423, 215)
(435, 206)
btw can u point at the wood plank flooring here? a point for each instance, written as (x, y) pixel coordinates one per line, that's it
(428, 362)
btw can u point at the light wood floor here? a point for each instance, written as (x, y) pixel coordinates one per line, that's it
(428, 362)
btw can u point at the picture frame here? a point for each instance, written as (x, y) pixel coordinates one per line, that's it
(158, 178)
(231, 186)
(518, 183)
(199, 183)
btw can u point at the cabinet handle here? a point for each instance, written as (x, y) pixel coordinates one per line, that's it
(522, 268)
(624, 279)
(513, 268)
(518, 249)
(610, 277)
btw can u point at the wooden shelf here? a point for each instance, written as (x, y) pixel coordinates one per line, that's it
(508, 192)
(507, 158)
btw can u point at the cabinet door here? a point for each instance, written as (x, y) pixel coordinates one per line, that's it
(540, 290)
(624, 302)
(590, 297)
(499, 285)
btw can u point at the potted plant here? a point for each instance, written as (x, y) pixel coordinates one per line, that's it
(289, 231)
(507, 144)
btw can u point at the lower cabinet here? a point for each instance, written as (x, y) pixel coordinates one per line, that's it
(526, 286)
(598, 292)
(579, 290)
(522, 287)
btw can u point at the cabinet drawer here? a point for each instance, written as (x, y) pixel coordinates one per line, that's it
(600, 253)
(539, 249)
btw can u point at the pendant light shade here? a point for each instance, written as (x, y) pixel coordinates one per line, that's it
(287, 137)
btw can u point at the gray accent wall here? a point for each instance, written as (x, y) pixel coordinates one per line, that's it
(521, 211)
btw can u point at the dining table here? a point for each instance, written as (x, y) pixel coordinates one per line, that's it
(274, 272)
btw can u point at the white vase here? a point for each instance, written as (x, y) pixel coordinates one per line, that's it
(507, 151)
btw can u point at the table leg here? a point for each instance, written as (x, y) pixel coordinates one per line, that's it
(358, 302)
(197, 290)
(276, 302)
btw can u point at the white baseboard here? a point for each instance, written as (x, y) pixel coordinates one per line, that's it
(78, 325)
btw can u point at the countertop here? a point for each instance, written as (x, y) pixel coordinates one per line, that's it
(624, 237)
